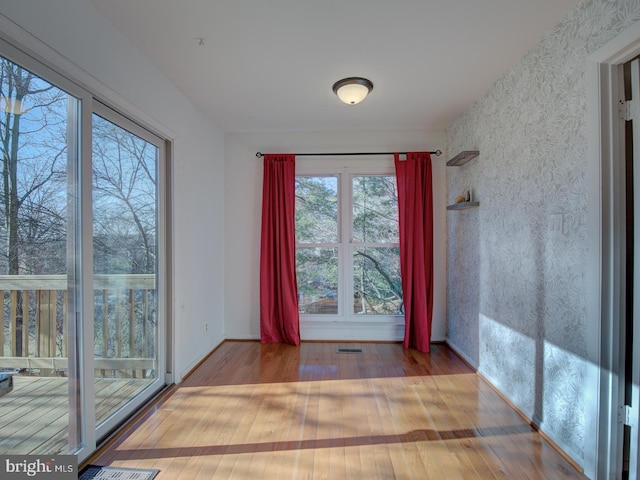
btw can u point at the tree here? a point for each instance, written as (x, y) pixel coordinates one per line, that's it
(36, 122)
(374, 235)
(33, 190)
(317, 222)
(124, 198)
(375, 221)
(124, 235)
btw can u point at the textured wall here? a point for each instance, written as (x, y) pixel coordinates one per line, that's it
(516, 299)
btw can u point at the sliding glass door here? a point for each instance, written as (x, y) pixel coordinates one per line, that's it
(128, 362)
(82, 263)
(39, 283)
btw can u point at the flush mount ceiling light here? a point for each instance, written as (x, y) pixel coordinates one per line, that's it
(352, 90)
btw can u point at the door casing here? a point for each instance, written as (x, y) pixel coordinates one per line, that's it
(606, 260)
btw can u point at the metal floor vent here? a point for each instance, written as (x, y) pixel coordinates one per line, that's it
(348, 350)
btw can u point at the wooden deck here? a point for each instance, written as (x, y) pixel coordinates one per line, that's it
(34, 416)
(275, 411)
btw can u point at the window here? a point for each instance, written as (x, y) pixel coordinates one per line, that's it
(318, 244)
(376, 256)
(347, 254)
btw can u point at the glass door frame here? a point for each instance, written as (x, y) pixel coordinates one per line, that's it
(81, 314)
(102, 110)
(79, 390)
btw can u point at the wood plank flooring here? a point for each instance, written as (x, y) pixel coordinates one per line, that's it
(34, 417)
(254, 411)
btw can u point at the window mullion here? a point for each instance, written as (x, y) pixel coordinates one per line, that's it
(317, 245)
(372, 245)
(347, 241)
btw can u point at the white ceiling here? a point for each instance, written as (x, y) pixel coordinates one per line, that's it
(268, 66)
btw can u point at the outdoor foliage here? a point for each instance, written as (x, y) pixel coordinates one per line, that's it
(33, 130)
(375, 273)
(38, 218)
(124, 193)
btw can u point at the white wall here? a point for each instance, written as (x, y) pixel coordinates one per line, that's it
(86, 47)
(243, 198)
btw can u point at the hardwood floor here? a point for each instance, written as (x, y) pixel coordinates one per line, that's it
(255, 411)
(34, 417)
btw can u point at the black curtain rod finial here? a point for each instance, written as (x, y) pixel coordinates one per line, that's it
(437, 153)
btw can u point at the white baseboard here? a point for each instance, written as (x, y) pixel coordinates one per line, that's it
(535, 422)
(472, 363)
(193, 364)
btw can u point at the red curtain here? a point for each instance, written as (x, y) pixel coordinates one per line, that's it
(415, 204)
(279, 318)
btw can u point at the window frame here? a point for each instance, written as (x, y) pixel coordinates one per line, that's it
(353, 245)
(346, 170)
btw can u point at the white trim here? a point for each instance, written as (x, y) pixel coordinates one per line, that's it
(633, 406)
(43, 53)
(88, 412)
(602, 454)
(328, 166)
(345, 325)
(351, 331)
(170, 366)
(219, 340)
(566, 449)
(461, 354)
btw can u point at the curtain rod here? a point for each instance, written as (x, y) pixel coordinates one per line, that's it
(437, 153)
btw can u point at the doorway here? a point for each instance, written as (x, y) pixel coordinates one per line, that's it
(84, 270)
(611, 443)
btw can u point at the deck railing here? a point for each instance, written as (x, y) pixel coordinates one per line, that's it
(35, 334)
